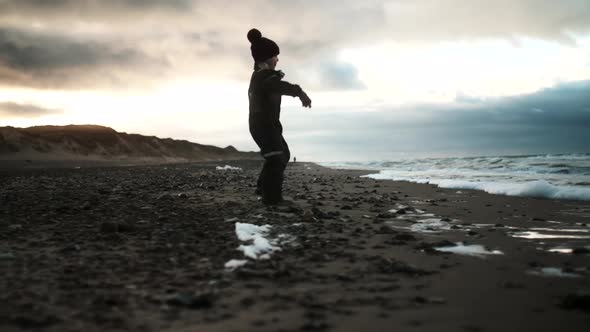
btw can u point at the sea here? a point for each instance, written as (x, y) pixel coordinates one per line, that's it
(552, 176)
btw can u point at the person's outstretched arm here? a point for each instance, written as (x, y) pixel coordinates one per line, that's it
(275, 84)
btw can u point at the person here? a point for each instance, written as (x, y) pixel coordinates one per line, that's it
(264, 95)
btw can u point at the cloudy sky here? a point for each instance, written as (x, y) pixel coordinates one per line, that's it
(388, 79)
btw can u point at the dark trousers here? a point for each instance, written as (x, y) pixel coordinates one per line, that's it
(275, 151)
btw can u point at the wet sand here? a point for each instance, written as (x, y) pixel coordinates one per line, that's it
(145, 247)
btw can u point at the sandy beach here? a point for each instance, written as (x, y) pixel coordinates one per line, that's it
(156, 248)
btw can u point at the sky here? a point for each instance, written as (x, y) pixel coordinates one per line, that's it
(388, 79)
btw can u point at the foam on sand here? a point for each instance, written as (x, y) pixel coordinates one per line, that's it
(235, 263)
(228, 168)
(476, 250)
(259, 246)
(538, 235)
(430, 225)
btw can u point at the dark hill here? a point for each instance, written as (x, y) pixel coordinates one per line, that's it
(91, 142)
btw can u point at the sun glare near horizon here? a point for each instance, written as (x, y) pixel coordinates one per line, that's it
(431, 73)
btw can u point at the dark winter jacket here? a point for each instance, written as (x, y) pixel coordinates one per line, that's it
(264, 93)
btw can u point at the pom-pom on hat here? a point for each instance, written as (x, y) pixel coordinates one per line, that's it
(262, 48)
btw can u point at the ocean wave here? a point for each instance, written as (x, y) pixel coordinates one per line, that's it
(574, 156)
(538, 188)
(558, 176)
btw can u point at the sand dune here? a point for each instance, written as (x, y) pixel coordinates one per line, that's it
(92, 142)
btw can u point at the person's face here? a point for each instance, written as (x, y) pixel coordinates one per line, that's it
(272, 62)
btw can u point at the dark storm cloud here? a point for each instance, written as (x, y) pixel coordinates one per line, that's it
(41, 59)
(31, 52)
(567, 104)
(207, 38)
(15, 110)
(87, 8)
(554, 120)
(323, 24)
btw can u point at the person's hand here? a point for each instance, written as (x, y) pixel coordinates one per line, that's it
(305, 101)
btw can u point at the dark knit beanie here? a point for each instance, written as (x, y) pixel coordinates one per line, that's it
(262, 48)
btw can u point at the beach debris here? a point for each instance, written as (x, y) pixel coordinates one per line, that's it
(476, 250)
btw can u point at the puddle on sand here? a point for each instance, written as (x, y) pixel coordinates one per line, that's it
(476, 250)
(538, 235)
(553, 272)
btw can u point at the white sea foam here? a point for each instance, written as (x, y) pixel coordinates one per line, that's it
(566, 250)
(538, 235)
(539, 188)
(430, 225)
(228, 168)
(547, 176)
(470, 250)
(258, 247)
(235, 263)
